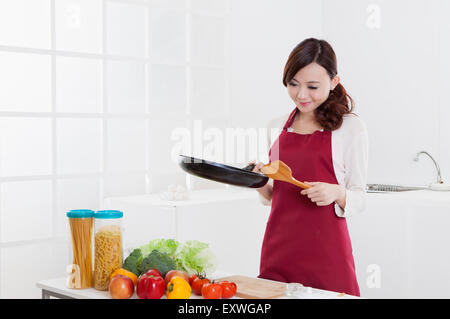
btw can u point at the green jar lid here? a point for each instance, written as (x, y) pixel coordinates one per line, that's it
(108, 214)
(80, 213)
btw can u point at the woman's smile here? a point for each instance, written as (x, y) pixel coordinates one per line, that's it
(310, 87)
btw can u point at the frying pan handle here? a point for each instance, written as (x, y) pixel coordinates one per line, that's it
(249, 167)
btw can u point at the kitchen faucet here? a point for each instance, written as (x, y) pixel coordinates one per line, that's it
(439, 178)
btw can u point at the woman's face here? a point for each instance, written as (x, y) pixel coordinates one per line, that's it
(310, 87)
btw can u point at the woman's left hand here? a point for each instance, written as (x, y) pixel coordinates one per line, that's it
(324, 194)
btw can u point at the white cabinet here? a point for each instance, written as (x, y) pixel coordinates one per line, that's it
(231, 220)
(400, 245)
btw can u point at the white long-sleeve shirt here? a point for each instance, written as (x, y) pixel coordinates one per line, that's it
(350, 148)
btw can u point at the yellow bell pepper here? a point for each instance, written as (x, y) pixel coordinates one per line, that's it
(127, 273)
(178, 288)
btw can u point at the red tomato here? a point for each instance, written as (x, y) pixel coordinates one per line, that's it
(228, 289)
(192, 278)
(154, 272)
(198, 283)
(212, 291)
(150, 287)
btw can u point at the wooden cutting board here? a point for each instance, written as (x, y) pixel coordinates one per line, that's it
(256, 288)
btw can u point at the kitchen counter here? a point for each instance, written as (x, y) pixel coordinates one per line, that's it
(415, 197)
(197, 197)
(57, 288)
(232, 193)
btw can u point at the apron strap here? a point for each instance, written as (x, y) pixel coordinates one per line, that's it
(290, 119)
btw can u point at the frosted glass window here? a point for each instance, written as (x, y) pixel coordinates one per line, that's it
(167, 90)
(166, 142)
(25, 23)
(78, 85)
(213, 6)
(124, 184)
(23, 72)
(125, 145)
(160, 182)
(26, 210)
(168, 3)
(75, 193)
(25, 146)
(208, 87)
(125, 87)
(78, 145)
(208, 40)
(168, 38)
(79, 25)
(126, 29)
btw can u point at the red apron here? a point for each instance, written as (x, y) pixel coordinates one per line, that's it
(303, 242)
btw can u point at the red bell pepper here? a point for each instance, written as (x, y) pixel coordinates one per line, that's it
(150, 287)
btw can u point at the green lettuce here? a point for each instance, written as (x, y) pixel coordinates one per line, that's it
(192, 256)
(196, 257)
(167, 246)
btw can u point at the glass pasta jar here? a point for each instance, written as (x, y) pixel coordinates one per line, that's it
(108, 246)
(81, 222)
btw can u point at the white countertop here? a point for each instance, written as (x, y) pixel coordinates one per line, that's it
(58, 285)
(196, 197)
(417, 196)
(231, 193)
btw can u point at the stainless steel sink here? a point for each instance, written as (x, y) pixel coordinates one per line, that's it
(384, 188)
(439, 185)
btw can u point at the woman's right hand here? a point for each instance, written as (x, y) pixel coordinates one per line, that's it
(266, 190)
(258, 166)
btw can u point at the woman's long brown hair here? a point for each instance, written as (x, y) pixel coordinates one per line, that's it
(331, 112)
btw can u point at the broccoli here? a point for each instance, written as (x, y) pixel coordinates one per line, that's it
(133, 262)
(158, 260)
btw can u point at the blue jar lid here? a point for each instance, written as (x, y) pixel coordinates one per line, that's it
(108, 214)
(80, 213)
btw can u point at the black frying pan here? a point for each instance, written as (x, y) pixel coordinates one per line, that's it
(222, 173)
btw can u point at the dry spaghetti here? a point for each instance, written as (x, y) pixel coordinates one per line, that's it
(108, 255)
(81, 230)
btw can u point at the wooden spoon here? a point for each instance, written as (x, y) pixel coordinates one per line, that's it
(280, 171)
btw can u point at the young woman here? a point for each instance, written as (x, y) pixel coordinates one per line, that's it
(325, 145)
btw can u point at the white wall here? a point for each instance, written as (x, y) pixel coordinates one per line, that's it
(392, 57)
